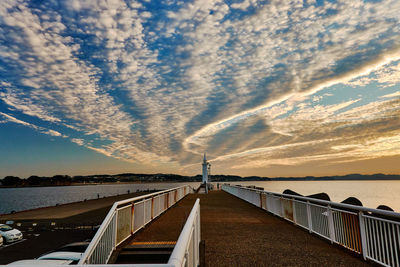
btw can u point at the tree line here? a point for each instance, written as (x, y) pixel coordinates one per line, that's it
(13, 181)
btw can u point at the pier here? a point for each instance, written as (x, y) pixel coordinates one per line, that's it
(236, 233)
(240, 226)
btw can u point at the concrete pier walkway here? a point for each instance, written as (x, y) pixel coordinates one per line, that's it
(239, 234)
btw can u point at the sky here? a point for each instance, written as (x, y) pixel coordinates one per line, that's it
(269, 88)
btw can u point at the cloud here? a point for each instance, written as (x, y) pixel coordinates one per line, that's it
(8, 118)
(69, 93)
(159, 86)
(331, 134)
(396, 94)
(78, 141)
(53, 133)
(308, 68)
(386, 77)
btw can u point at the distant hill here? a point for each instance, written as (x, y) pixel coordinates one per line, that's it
(63, 180)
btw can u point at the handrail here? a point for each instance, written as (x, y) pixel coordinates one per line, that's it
(134, 199)
(111, 215)
(190, 232)
(326, 203)
(186, 250)
(359, 229)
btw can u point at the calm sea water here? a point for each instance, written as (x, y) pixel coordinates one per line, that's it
(18, 199)
(370, 193)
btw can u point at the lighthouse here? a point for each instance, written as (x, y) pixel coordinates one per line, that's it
(206, 168)
(206, 172)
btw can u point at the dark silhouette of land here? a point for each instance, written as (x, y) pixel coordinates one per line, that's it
(64, 180)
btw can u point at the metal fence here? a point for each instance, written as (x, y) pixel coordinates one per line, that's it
(373, 233)
(127, 217)
(187, 248)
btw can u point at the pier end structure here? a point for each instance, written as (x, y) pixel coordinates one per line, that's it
(206, 172)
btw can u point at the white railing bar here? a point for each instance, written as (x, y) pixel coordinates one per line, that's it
(378, 223)
(325, 203)
(108, 218)
(110, 265)
(331, 225)
(376, 243)
(124, 207)
(377, 261)
(380, 219)
(321, 235)
(310, 224)
(387, 259)
(345, 211)
(319, 206)
(395, 244)
(122, 241)
(101, 230)
(177, 257)
(303, 226)
(376, 238)
(139, 202)
(390, 245)
(369, 238)
(146, 196)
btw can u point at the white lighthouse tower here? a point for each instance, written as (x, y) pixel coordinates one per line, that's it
(206, 171)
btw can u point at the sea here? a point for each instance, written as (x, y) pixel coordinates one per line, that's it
(370, 193)
(26, 198)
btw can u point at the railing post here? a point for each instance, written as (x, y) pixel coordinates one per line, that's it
(159, 206)
(331, 224)
(116, 230)
(152, 208)
(309, 216)
(144, 213)
(294, 211)
(363, 235)
(133, 217)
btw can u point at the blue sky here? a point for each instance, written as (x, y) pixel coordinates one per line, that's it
(271, 88)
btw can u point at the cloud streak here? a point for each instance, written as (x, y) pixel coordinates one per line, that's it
(264, 82)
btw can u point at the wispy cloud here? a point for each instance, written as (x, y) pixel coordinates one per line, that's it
(249, 79)
(78, 141)
(396, 94)
(8, 118)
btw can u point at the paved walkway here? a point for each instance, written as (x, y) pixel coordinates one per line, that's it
(239, 234)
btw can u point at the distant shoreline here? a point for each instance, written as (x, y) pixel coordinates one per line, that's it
(80, 184)
(130, 178)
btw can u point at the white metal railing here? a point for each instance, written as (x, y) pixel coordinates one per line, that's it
(127, 217)
(373, 233)
(186, 251)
